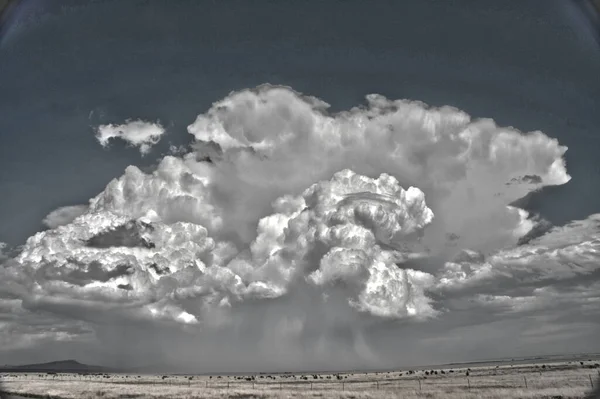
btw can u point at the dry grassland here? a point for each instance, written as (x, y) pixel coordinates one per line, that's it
(553, 380)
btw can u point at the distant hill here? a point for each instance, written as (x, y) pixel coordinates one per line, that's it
(61, 366)
(73, 366)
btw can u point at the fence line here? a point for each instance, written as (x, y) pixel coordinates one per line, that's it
(471, 382)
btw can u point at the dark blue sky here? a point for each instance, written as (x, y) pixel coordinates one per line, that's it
(67, 67)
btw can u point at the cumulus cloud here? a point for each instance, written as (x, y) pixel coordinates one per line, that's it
(305, 234)
(64, 215)
(275, 141)
(136, 133)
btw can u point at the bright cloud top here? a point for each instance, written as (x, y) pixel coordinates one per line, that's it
(136, 133)
(328, 220)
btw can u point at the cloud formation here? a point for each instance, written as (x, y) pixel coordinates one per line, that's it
(136, 133)
(63, 215)
(305, 234)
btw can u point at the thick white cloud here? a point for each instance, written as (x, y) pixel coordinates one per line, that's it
(287, 226)
(332, 232)
(64, 215)
(136, 133)
(275, 142)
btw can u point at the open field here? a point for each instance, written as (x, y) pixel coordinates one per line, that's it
(568, 379)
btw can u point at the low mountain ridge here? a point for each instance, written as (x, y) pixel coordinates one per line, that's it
(66, 366)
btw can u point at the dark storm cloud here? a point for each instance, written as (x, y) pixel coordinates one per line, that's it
(81, 274)
(127, 235)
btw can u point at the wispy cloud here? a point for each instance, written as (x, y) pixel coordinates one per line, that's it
(136, 133)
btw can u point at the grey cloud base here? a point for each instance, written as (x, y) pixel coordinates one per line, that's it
(308, 239)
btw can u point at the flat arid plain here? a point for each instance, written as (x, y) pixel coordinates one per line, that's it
(539, 378)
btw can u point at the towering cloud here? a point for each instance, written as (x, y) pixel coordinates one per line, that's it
(292, 228)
